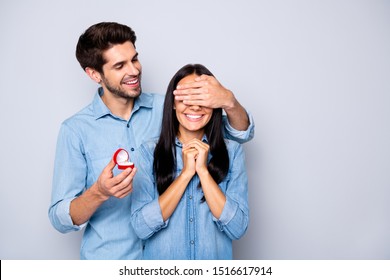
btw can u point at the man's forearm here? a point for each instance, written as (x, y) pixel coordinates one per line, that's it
(84, 206)
(237, 116)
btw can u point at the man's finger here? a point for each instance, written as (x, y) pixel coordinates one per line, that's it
(195, 85)
(121, 176)
(109, 167)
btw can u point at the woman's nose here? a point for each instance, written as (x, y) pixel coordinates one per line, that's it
(195, 107)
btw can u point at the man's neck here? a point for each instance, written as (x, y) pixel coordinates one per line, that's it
(119, 106)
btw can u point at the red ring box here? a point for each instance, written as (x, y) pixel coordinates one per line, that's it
(121, 158)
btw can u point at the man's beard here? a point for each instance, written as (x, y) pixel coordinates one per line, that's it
(117, 91)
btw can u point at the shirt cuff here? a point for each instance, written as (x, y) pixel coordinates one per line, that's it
(242, 134)
(63, 215)
(153, 217)
(228, 212)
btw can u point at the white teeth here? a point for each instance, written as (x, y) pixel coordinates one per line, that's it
(131, 82)
(193, 116)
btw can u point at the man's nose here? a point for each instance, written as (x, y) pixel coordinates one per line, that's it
(132, 69)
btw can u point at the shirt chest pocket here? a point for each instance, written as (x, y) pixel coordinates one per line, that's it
(97, 161)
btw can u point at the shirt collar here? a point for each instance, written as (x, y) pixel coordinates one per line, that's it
(100, 109)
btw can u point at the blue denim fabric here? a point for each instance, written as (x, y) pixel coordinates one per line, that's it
(192, 232)
(86, 144)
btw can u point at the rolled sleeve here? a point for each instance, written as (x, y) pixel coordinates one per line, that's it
(241, 136)
(232, 221)
(149, 220)
(146, 216)
(228, 212)
(234, 218)
(60, 217)
(68, 179)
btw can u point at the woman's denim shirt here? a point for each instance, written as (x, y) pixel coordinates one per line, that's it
(192, 232)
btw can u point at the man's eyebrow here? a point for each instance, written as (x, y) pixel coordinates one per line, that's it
(119, 63)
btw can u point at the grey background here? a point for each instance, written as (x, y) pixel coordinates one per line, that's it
(314, 74)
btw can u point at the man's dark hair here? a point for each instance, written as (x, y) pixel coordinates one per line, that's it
(99, 38)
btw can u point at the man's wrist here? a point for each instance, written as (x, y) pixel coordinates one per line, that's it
(231, 103)
(97, 193)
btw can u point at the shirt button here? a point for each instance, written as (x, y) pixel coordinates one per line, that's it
(190, 196)
(132, 149)
(191, 220)
(192, 242)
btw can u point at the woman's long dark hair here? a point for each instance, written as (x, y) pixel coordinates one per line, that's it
(165, 152)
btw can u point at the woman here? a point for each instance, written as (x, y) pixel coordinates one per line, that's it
(190, 193)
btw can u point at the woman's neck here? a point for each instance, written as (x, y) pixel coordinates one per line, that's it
(185, 136)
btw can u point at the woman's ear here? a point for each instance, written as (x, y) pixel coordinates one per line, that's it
(93, 74)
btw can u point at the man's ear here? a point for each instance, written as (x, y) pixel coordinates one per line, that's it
(93, 74)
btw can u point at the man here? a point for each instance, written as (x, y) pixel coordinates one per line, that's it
(88, 192)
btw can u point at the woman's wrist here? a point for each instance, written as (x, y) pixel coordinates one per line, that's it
(186, 175)
(202, 172)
